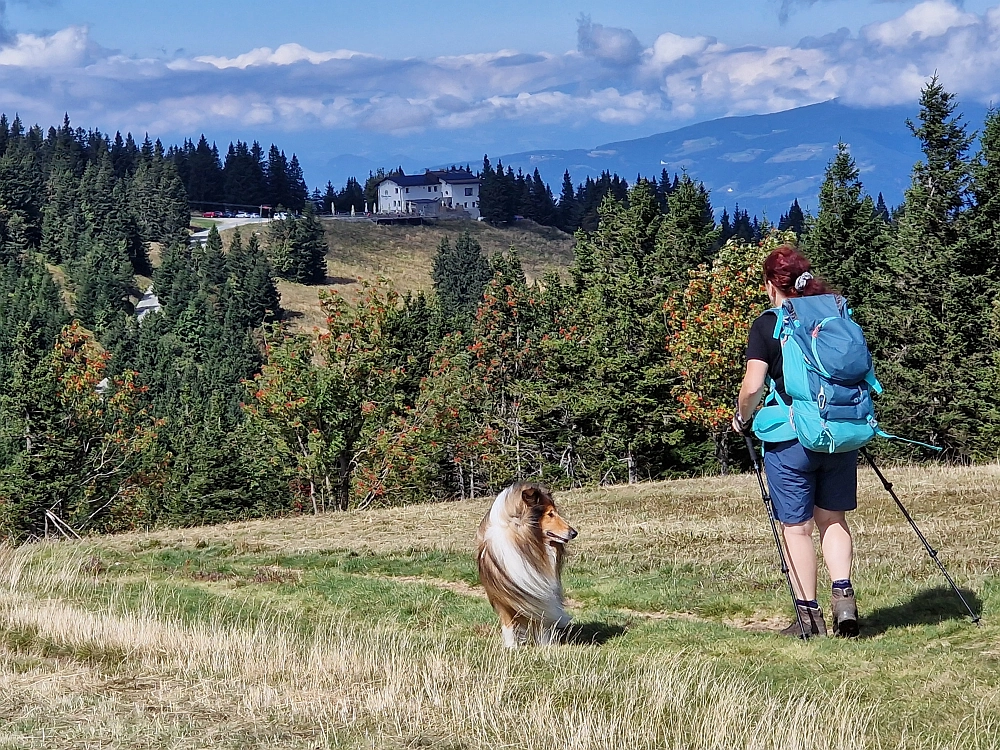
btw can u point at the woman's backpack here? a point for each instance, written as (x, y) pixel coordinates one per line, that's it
(828, 375)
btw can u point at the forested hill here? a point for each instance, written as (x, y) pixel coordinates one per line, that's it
(492, 365)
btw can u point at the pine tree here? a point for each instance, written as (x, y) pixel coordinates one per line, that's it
(846, 239)
(278, 186)
(614, 337)
(460, 273)
(297, 248)
(688, 234)
(568, 213)
(794, 220)
(882, 210)
(926, 319)
(298, 192)
(983, 227)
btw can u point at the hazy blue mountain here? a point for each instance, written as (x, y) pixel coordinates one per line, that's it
(339, 168)
(762, 162)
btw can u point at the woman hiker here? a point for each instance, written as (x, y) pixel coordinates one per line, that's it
(809, 490)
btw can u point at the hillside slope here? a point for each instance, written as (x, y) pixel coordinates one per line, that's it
(369, 630)
(404, 254)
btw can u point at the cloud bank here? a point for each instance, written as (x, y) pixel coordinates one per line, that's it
(610, 79)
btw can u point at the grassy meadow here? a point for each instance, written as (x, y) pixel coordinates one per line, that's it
(368, 630)
(404, 254)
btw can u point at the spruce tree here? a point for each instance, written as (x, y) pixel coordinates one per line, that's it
(983, 221)
(460, 273)
(688, 235)
(846, 239)
(926, 320)
(568, 212)
(794, 220)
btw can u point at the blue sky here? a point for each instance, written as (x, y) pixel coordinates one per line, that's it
(448, 80)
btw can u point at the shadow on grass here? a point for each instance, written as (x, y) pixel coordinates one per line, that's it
(929, 607)
(592, 633)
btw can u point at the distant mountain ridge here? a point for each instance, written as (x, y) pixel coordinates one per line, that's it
(761, 162)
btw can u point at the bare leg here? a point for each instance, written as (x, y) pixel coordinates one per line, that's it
(838, 546)
(801, 558)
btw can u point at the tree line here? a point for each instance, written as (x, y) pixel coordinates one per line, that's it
(620, 370)
(245, 178)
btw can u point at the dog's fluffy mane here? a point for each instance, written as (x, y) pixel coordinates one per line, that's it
(517, 564)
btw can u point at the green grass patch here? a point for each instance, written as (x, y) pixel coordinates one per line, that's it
(327, 632)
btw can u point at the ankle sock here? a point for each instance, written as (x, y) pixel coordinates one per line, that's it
(812, 603)
(843, 583)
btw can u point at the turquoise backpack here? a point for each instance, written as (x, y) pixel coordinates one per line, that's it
(828, 377)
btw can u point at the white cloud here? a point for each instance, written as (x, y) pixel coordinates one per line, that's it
(669, 48)
(606, 43)
(286, 54)
(610, 81)
(933, 18)
(68, 47)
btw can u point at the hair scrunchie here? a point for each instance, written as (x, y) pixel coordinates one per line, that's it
(801, 281)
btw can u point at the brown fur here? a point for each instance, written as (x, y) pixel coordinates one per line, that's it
(520, 547)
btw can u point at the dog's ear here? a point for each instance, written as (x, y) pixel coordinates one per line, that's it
(531, 495)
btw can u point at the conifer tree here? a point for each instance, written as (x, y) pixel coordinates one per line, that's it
(846, 239)
(688, 235)
(794, 220)
(616, 331)
(926, 320)
(983, 221)
(568, 212)
(460, 273)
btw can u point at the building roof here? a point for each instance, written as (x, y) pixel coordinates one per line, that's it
(453, 176)
(456, 176)
(413, 180)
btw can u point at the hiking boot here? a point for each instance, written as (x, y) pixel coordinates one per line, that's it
(845, 613)
(812, 622)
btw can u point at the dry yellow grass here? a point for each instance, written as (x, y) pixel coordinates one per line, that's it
(126, 642)
(403, 254)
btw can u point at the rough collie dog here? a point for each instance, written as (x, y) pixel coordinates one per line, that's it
(519, 551)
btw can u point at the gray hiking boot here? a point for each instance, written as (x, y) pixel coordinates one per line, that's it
(845, 613)
(812, 622)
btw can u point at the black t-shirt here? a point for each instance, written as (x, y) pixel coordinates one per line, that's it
(764, 347)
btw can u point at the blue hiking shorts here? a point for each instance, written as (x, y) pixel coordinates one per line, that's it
(801, 479)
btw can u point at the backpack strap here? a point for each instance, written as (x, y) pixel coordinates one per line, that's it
(882, 433)
(779, 313)
(873, 381)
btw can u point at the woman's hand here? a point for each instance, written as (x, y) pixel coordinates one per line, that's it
(741, 427)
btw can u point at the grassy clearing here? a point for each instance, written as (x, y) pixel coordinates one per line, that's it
(362, 250)
(367, 630)
(202, 223)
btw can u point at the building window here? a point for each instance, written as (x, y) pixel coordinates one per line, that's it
(407, 190)
(468, 191)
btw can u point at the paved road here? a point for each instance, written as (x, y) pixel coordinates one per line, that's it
(199, 238)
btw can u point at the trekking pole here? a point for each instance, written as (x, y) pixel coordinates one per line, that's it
(930, 550)
(769, 508)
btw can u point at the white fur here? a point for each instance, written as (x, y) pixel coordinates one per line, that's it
(536, 583)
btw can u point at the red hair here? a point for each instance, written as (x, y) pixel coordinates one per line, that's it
(784, 266)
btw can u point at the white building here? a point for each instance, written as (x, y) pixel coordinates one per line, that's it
(149, 303)
(430, 194)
